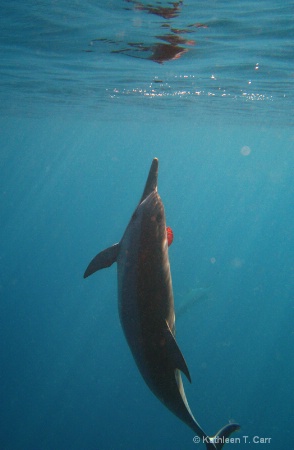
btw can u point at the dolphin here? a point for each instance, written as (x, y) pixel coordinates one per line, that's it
(146, 307)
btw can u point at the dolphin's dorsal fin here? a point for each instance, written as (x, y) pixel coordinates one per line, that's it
(104, 259)
(151, 183)
(174, 353)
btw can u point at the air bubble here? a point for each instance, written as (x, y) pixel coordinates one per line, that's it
(245, 151)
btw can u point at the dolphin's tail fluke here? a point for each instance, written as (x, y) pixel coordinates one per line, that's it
(219, 440)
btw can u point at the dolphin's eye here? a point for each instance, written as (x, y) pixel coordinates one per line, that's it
(159, 217)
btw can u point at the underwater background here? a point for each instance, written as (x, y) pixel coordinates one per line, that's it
(90, 92)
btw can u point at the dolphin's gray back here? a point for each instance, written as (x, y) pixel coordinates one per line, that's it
(146, 305)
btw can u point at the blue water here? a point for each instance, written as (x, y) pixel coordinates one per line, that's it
(84, 109)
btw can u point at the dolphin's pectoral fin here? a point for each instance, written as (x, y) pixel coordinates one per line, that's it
(104, 259)
(174, 353)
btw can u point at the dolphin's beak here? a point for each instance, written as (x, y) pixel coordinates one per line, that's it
(151, 183)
